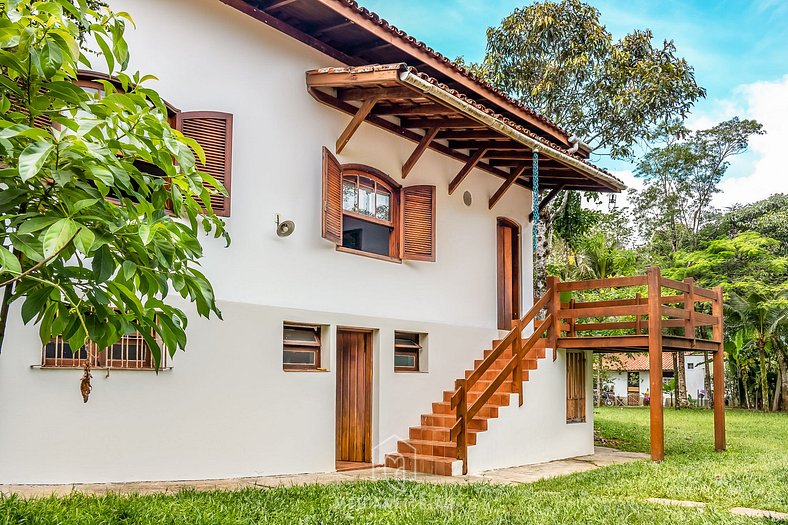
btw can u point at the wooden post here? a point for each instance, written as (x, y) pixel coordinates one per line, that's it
(462, 437)
(719, 374)
(517, 373)
(689, 305)
(638, 323)
(655, 364)
(553, 307)
(572, 321)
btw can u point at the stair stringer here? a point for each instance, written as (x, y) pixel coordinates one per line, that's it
(536, 432)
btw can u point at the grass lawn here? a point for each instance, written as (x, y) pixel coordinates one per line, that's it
(754, 473)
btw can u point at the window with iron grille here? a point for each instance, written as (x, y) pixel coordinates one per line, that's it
(301, 347)
(407, 348)
(130, 352)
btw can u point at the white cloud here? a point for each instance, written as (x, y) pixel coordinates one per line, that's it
(761, 172)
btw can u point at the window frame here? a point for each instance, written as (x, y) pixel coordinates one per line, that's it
(302, 346)
(413, 350)
(100, 357)
(395, 224)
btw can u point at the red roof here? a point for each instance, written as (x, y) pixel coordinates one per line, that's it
(634, 362)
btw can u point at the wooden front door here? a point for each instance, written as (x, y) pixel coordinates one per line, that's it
(354, 396)
(508, 273)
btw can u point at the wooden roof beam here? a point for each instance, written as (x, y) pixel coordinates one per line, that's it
(423, 109)
(441, 123)
(354, 123)
(485, 134)
(544, 202)
(348, 94)
(472, 162)
(473, 144)
(424, 143)
(508, 183)
(277, 5)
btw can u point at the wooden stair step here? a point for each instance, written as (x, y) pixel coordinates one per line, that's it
(448, 421)
(442, 466)
(426, 447)
(500, 399)
(430, 433)
(444, 407)
(489, 375)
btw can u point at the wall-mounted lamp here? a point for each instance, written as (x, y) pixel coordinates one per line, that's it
(284, 228)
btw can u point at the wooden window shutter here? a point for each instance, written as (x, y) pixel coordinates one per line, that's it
(213, 130)
(332, 198)
(418, 223)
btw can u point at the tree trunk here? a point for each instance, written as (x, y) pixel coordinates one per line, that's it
(541, 254)
(746, 390)
(783, 364)
(764, 376)
(681, 380)
(776, 397)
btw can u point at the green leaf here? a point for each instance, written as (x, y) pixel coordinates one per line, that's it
(8, 262)
(103, 264)
(34, 304)
(32, 159)
(146, 233)
(84, 240)
(129, 269)
(58, 235)
(51, 58)
(28, 245)
(105, 51)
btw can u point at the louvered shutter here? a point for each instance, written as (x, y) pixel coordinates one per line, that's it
(418, 223)
(332, 198)
(213, 130)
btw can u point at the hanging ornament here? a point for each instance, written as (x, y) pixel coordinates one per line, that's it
(535, 183)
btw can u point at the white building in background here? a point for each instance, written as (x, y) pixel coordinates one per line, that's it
(627, 377)
(344, 329)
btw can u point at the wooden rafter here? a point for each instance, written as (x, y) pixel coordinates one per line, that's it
(544, 202)
(424, 143)
(508, 183)
(440, 123)
(422, 109)
(277, 5)
(472, 162)
(355, 122)
(347, 94)
(483, 134)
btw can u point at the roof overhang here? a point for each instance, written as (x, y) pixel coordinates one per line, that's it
(413, 105)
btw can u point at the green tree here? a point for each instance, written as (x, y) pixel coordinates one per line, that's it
(763, 316)
(769, 217)
(102, 203)
(558, 58)
(681, 178)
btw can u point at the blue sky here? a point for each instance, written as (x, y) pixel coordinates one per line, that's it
(739, 50)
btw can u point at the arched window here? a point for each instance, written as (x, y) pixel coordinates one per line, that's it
(367, 212)
(369, 202)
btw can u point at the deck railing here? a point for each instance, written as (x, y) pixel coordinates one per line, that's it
(648, 316)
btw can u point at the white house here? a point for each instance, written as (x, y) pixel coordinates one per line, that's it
(628, 376)
(409, 190)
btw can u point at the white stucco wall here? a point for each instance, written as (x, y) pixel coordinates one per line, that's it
(537, 431)
(226, 408)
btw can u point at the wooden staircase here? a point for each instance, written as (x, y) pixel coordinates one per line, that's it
(439, 444)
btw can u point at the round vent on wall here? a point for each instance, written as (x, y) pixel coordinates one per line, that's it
(467, 198)
(284, 228)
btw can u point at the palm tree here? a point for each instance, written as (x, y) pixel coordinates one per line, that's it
(762, 315)
(736, 348)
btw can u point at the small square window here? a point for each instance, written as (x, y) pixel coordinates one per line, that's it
(407, 350)
(690, 366)
(300, 347)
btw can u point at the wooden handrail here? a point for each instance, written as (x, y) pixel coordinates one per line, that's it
(610, 282)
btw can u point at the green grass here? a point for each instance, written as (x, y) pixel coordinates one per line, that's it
(754, 472)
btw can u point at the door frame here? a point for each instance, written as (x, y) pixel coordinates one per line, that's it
(515, 260)
(368, 391)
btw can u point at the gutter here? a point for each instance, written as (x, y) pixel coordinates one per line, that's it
(409, 79)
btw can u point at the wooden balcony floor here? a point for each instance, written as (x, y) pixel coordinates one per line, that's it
(635, 343)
